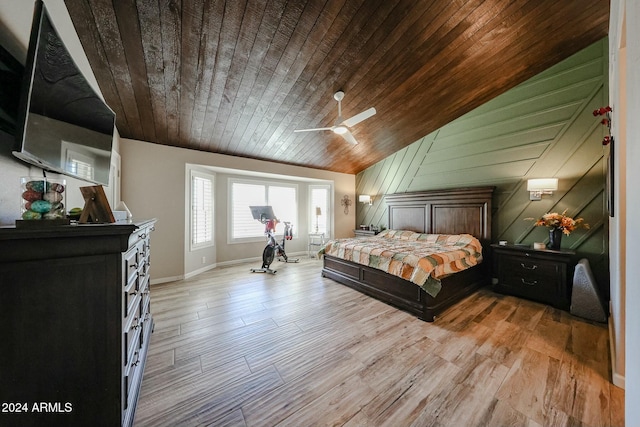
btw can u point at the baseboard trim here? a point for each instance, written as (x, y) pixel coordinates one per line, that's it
(191, 274)
(199, 271)
(157, 281)
(616, 378)
(259, 259)
(618, 381)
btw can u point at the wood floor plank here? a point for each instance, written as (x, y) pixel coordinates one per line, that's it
(235, 348)
(582, 393)
(274, 407)
(526, 387)
(501, 414)
(505, 343)
(405, 400)
(550, 337)
(212, 396)
(338, 405)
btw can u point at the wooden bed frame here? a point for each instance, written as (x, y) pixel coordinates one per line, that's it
(453, 211)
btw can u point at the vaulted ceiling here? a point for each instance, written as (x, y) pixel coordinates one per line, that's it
(238, 77)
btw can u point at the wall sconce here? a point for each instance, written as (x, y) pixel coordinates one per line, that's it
(538, 187)
(365, 198)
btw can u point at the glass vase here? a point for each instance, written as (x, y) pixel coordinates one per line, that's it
(42, 198)
(555, 238)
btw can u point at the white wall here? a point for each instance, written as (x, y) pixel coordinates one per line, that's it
(617, 224)
(628, 116)
(154, 181)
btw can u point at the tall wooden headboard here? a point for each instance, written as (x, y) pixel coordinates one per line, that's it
(449, 211)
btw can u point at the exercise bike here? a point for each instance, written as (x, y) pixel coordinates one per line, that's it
(273, 249)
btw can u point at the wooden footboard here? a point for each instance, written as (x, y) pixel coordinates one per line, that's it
(402, 293)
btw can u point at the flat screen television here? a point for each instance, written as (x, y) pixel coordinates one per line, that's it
(62, 124)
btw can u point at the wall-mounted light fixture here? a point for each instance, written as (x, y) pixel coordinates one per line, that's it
(538, 187)
(365, 198)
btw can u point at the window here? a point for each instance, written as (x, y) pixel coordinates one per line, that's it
(319, 197)
(201, 210)
(78, 160)
(283, 198)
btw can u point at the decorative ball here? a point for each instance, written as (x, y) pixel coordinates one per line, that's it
(54, 215)
(35, 186)
(31, 215)
(52, 196)
(75, 213)
(40, 206)
(31, 195)
(54, 186)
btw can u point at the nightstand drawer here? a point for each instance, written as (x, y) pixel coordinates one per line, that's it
(529, 268)
(537, 287)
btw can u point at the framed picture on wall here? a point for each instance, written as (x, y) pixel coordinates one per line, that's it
(610, 178)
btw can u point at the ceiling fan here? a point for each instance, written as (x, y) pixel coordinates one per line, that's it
(341, 127)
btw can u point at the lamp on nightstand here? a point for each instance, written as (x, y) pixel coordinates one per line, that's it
(318, 213)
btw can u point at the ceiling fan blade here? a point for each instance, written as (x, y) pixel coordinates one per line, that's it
(360, 117)
(310, 130)
(349, 137)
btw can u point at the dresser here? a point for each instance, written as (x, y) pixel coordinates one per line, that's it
(541, 275)
(75, 322)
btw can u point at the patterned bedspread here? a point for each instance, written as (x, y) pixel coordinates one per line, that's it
(421, 258)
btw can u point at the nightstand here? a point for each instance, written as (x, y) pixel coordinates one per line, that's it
(316, 241)
(365, 233)
(542, 275)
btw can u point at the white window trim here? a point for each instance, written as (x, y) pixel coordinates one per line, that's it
(197, 174)
(279, 230)
(329, 188)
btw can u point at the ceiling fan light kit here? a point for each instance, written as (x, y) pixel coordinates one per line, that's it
(340, 130)
(342, 126)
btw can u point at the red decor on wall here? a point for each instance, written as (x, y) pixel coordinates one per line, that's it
(606, 112)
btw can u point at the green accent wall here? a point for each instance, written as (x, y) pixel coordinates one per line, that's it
(543, 128)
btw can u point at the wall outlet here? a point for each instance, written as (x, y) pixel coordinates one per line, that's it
(204, 260)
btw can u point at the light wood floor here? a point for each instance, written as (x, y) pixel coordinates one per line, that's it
(234, 348)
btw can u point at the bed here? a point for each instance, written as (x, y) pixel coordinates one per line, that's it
(442, 212)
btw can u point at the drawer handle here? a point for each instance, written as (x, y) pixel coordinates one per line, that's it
(134, 265)
(533, 267)
(535, 282)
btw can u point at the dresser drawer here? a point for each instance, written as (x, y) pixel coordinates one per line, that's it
(131, 301)
(145, 305)
(130, 267)
(131, 340)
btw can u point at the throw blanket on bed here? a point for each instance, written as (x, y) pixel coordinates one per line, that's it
(421, 258)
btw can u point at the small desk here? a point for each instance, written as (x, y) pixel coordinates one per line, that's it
(316, 241)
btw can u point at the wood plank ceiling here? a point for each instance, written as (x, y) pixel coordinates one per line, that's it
(237, 77)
